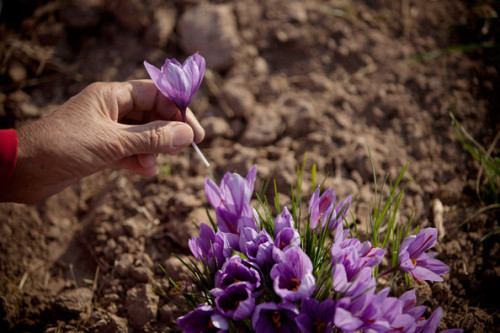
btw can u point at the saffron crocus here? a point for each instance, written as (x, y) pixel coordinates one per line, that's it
(352, 263)
(414, 261)
(361, 313)
(179, 83)
(235, 302)
(315, 316)
(431, 324)
(293, 279)
(257, 246)
(355, 255)
(285, 234)
(203, 319)
(323, 209)
(275, 318)
(231, 201)
(409, 305)
(287, 237)
(282, 221)
(238, 270)
(392, 311)
(210, 247)
(358, 284)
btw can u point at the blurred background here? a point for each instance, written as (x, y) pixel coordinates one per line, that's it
(329, 79)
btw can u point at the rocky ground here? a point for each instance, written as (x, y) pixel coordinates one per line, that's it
(330, 79)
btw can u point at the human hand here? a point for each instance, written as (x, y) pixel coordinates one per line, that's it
(107, 125)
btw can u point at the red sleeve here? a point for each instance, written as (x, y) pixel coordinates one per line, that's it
(8, 156)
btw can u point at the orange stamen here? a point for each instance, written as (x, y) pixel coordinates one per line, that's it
(277, 319)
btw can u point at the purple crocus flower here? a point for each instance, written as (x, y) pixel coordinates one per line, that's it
(315, 316)
(409, 305)
(257, 246)
(287, 237)
(238, 270)
(392, 311)
(210, 247)
(355, 255)
(363, 312)
(231, 202)
(235, 302)
(359, 284)
(293, 279)
(282, 221)
(285, 234)
(178, 82)
(352, 263)
(323, 209)
(275, 318)
(203, 319)
(431, 324)
(414, 261)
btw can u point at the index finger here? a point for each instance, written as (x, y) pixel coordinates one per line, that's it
(140, 100)
(138, 97)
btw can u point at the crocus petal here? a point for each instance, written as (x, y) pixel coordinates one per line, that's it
(403, 323)
(179, 82)
(155, 75)
(219, 321)
(431, 324)
(201, 320)
(235, 302)
(292, 278)
(282, 221)
(314, 199)
(405, 263)
(252, 174)
(406, 242)
(316, 316)
(287, 237)
(264, 318)
(341, 209)
(435, 265)
(346, 321)
(177, 85)
(426, 239)
(195, 66)
(422, 273)
(213, 193)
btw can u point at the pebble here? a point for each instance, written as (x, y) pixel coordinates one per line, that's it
(216, 127)
(141, 305)
(74, 301)
(210, 30)
(239, 99)
(262, 129)
(158, 33)
(123, 264)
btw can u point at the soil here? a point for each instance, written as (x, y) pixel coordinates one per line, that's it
(332, 79)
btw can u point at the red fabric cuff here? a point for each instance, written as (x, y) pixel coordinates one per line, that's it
(8, 156)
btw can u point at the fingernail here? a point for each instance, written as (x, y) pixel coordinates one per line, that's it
(147, 161)
(182, 136)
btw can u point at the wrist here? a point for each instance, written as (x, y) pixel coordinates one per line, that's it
(27, 184)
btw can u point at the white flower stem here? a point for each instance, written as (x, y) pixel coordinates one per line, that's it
(200, 154)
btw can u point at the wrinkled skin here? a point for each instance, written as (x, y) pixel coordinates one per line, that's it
(107, 125)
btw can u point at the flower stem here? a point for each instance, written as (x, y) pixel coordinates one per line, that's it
(200, 154)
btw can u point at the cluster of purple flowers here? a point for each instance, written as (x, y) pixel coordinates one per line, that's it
(264, 281)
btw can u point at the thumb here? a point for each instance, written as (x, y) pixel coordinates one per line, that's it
(156, 137)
